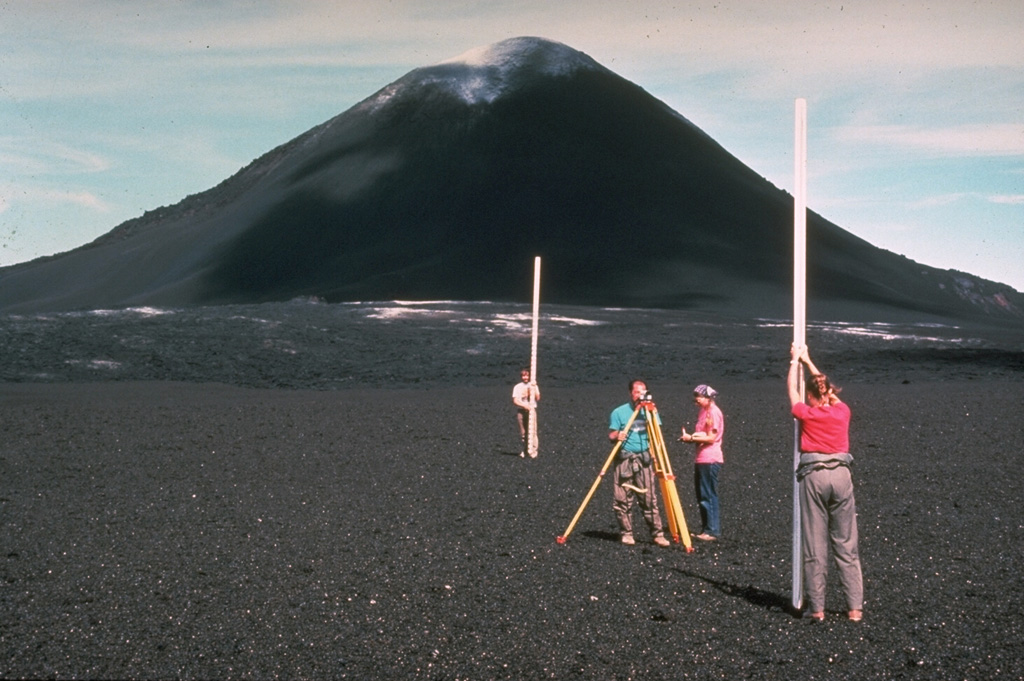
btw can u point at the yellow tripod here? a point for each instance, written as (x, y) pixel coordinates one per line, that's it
(662, 468)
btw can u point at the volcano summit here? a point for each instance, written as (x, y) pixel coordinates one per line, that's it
(446, 183)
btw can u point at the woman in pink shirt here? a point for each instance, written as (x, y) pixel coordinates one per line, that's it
(828, 512)
(708, 437)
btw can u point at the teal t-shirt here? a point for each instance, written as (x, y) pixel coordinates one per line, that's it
(637, 440)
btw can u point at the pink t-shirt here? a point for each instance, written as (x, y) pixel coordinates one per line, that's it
(710, 420)
(824, 429)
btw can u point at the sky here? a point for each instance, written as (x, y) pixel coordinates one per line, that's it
(915, 110)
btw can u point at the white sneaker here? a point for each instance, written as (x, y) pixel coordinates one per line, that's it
(661, 541)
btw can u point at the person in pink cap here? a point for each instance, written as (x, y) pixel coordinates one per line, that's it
(707, 436)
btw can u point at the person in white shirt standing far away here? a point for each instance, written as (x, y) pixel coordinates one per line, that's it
(525, 395)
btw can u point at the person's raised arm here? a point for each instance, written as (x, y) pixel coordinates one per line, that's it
(792, 380)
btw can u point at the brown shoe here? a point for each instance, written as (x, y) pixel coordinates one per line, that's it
(855, 615)
(661, 541)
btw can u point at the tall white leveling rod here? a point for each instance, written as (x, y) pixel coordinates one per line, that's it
(799, 321)
(533, 443)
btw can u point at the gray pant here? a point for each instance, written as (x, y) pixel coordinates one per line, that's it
(642, 477)
(828, 517)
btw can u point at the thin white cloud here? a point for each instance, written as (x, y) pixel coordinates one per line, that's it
(22, 195)
(1005, 139)
(875, 228)
(79, 198)
(938, 200)
(1011, 199)
(35, 157)
(948, 199)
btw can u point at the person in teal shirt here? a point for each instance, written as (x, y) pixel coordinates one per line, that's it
(633, 478)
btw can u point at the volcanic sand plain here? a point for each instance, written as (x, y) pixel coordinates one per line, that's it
(287, 498)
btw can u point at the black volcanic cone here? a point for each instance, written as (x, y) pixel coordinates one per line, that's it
(610, 187)
(446, 183)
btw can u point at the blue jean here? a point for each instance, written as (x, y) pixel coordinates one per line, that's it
(705, 485)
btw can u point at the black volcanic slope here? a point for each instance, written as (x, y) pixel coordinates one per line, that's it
(446, 183)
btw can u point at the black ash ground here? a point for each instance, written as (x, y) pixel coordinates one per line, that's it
(353, 505)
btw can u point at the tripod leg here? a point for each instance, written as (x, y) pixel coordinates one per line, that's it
(657, 450)
(677, 509)
(670, 494)
(593, 488)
